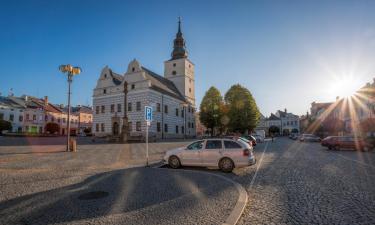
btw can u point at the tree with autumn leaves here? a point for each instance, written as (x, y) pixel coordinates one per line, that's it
(211, 109)
(236, 112)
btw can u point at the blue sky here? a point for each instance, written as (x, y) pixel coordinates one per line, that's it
(287, 53)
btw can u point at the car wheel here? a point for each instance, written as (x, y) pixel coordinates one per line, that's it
(226, 165)
(337, 147)
(330, 147)
(365, 149)
(174, 162)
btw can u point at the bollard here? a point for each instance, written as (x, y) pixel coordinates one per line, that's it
(73, 145)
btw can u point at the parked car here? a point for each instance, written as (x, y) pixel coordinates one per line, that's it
(252, 139)
(293, 136)
(258, 138)
(224, 153)
(309, 138)
(346, 142)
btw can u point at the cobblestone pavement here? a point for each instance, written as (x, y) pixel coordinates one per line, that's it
(98, 157)
(303, 183)
(135, 196)
(40, 184)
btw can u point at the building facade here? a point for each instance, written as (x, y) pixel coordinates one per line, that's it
(31, 115)
(356, 114)
(172, 97)
(84, 114)
(12, 112)
(289, 122)
(284, 122)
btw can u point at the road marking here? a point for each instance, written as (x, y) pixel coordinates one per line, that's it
(354, 160)
(258, 166)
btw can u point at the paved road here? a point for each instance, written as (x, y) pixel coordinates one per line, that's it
(303, 183)
(41, 184)
(292, 183)
(135, 196)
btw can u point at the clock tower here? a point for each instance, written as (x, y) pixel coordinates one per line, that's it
(179, 69)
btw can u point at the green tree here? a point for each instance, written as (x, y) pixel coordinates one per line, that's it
(211, 107)
(5, 125)
(243, 112)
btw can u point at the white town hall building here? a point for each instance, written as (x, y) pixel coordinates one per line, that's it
(172, 97)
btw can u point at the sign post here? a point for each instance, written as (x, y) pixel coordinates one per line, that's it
(148, 118)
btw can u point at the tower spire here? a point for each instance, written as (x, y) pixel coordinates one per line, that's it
(179, 50)
(179, 25)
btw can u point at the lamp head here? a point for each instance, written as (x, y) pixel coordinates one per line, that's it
(66, 68)
(76, 70)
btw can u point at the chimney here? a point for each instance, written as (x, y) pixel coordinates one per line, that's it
(61, 106)
(285, 110)
(26, 98)
(45, 100)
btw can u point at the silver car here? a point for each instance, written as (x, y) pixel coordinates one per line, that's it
(309, 138)
(225, 154)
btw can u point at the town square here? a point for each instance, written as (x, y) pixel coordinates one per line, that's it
(201, 112)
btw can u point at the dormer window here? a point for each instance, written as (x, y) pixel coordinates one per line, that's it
(104, 91)
(174, 64)
(105, 75)
(133, 86)
(174, 72)
(190, 90)
(133, 69)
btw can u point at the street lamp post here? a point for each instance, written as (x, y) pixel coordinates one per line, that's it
(70, 71)
(184, 105)
(125, 122)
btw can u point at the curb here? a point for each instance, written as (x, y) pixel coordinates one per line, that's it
(238, 209)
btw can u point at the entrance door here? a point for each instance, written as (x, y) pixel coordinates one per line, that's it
(115, 129)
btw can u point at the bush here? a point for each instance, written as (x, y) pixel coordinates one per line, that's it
(5, 125)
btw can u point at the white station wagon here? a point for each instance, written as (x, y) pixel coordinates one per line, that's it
(226, 154)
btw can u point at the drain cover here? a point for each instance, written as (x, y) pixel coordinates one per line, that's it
(93, 195)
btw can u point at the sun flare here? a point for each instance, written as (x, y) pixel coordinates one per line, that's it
(344, 87)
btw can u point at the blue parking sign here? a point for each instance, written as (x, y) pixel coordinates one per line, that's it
(148, 113)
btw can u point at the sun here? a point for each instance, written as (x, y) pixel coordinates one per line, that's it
(344, 87)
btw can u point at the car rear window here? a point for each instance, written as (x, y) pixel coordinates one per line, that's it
(231, 144)
(213, 144)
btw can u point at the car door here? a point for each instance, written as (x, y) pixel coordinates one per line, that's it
(234, 151)
(191, 154)
(212, 152)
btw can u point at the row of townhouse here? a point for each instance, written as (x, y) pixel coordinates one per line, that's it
(29, 114)
(355, 113)
(285, 122)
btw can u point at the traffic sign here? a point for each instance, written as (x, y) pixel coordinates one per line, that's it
(148, 113)
(148, 118)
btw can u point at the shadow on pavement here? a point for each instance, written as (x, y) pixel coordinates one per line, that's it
(127, 190)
